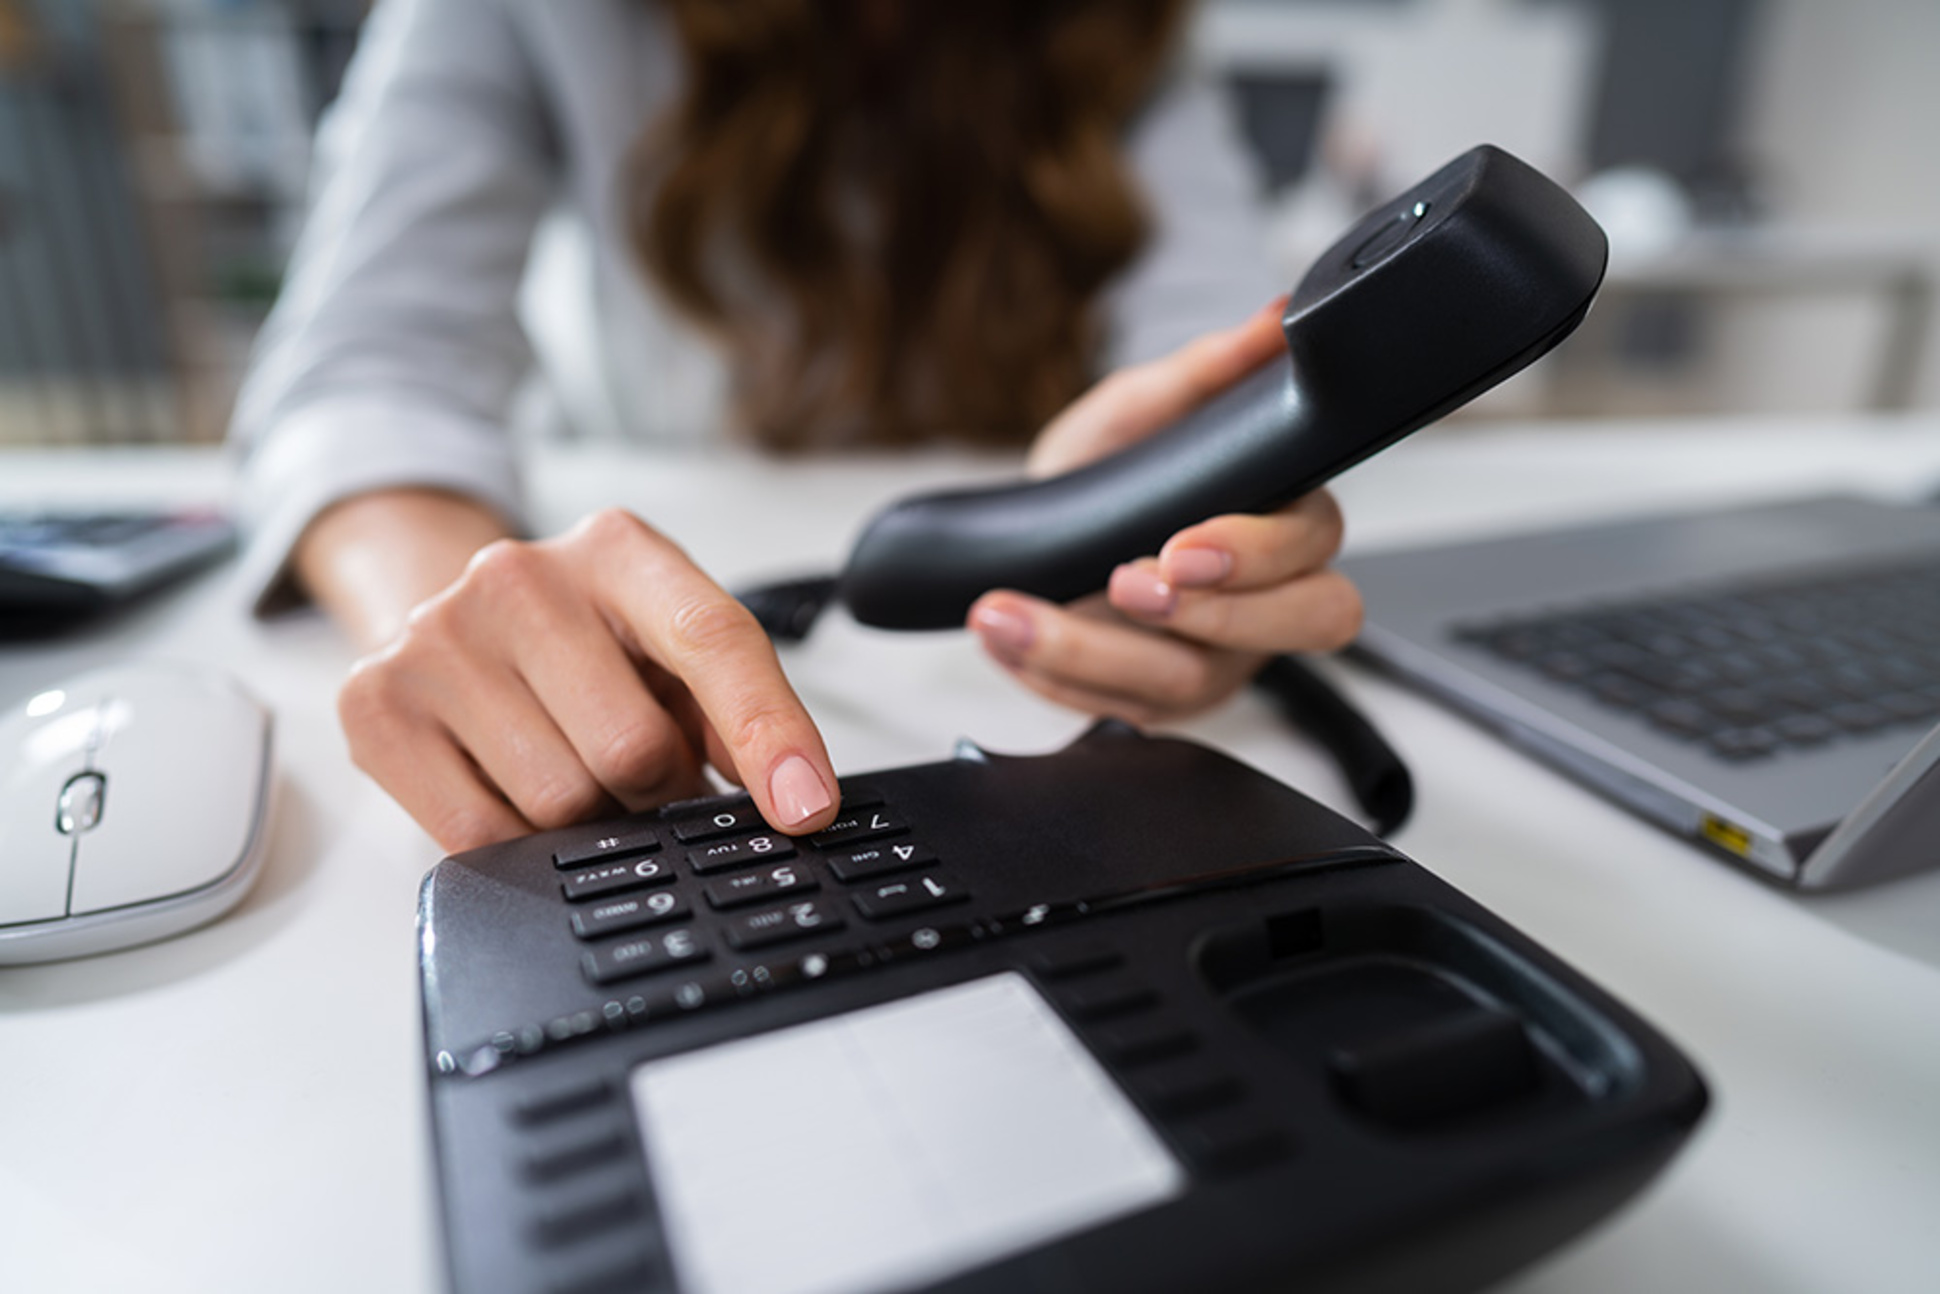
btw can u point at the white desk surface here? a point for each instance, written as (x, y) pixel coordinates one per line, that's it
(242, 1108)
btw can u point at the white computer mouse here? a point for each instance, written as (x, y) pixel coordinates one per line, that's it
(133, 802)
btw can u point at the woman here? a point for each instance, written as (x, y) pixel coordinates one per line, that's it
(870, 223)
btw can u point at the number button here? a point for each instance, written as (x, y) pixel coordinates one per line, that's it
(630, 913)
(599, 882)
(729, 854)
(727, 821)
(752, 887)
(866, 825)
(894, 898)
(879, 860)
(643, 956)
(778, 925)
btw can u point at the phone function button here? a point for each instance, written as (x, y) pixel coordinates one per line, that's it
(1073, 961)
(729, 854)
(1106, 1001)
(779, 925)
(879, 860)
(1230, 1142)
(608, 848)
(550, 1104)
(615, 877)
(631, 913)
(753, 887)
(851, 827)
(564, 1159)
(728, 821)
(894, 898)
(1389, 236)
(1185, 1087)
(1140, 1042)
(582, 1219)
(643, 956)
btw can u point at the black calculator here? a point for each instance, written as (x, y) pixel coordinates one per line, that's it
(1129, 1016)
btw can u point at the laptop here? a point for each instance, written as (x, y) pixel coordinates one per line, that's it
(1764, 680)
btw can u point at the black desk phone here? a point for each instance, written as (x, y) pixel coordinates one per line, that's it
(1127, 1017)
(1131, 1016)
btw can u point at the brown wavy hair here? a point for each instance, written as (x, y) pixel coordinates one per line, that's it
(896, 217)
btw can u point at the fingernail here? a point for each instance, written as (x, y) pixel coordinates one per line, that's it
(1141, 591)
(1197, 568)
(797, 791)
(1007, 633)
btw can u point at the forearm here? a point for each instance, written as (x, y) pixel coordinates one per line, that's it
(372, 558)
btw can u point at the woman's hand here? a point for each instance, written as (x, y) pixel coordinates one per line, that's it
(1180, 631)
(555, 681)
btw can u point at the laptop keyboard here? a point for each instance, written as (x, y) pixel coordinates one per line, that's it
(1751, 670)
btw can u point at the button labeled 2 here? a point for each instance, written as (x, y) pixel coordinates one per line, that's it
(778, 925)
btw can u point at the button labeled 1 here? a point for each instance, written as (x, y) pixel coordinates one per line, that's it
(895, 898)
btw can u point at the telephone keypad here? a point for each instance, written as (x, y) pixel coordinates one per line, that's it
(738, 886)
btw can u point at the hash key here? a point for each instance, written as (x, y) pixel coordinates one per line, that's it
(894, 898)
(625, 843)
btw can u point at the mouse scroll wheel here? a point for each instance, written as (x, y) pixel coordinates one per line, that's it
(80, 803)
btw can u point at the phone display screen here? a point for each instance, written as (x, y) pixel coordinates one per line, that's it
(891, 1146)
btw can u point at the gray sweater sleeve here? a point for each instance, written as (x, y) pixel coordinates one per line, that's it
(395, 348)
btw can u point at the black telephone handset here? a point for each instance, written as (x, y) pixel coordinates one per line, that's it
(1424, 304)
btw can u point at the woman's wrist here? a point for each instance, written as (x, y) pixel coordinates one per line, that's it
(368, 560)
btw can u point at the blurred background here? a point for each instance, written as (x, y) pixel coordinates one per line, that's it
(1766, 170)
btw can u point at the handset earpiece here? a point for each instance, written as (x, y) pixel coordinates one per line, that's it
(1424, 304)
